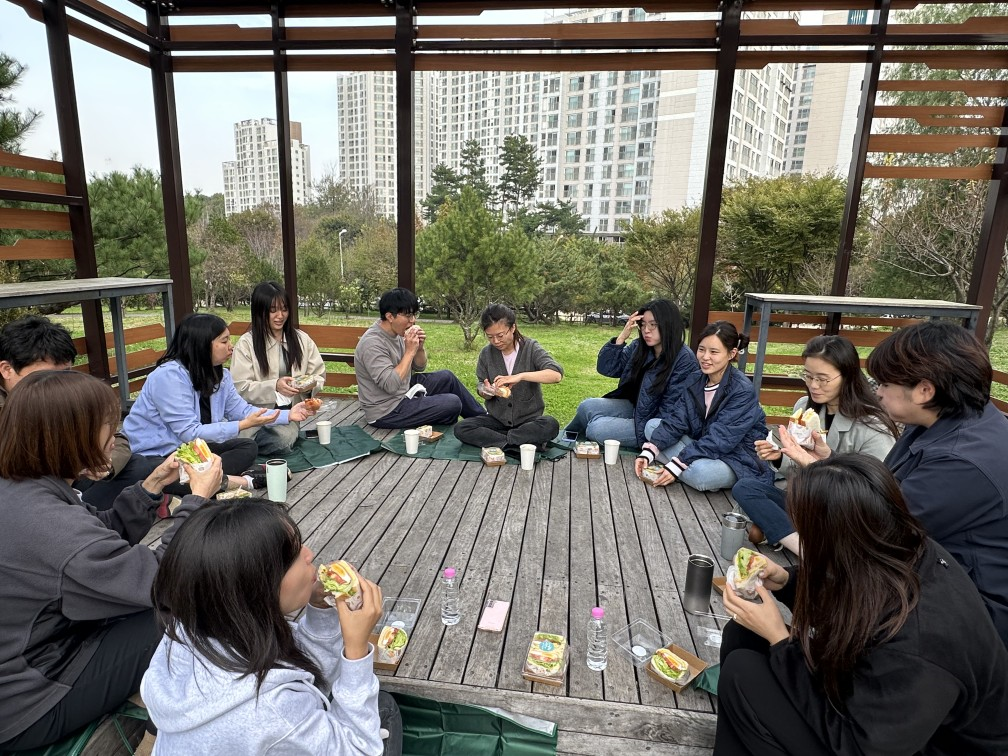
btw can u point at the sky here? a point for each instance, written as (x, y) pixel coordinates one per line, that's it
(116, 108)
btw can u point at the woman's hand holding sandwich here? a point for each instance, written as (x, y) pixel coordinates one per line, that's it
(765, 618)
(799, 454)
(357, 625)
(205, 483)
(163, 475)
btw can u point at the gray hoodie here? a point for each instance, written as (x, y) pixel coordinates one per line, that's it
(199, 708)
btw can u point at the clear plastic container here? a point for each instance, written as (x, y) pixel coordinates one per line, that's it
(638, 641)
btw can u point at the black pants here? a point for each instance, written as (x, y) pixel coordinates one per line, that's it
(237, 456)
(755, 714)
(101, 493)
(112, 676)
(391, 720)
(484, 430)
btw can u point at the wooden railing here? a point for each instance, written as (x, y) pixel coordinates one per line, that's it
(139, 362)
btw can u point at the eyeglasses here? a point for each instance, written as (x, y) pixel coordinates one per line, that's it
(817, 380)
(407, 315)
(498, 336)
(648, 325)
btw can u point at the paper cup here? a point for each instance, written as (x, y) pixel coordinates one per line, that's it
(611, 451)
(324, 428)
(528, 452)
(412, 437)
(276, 480)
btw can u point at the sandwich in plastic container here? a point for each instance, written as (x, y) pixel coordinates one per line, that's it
(546, 661)
(391, 645)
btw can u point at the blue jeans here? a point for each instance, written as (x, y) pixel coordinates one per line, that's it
(601, 419)
(445, 400)
(702, 474)
(764, 504)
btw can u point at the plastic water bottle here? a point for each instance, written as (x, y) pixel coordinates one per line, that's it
(597, 640)
(449, 598)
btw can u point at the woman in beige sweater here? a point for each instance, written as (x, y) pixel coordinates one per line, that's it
(267, 359)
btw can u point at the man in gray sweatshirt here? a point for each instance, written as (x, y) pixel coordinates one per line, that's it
(388, 361)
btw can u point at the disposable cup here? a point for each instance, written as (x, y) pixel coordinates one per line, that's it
(412, 437)
(611, 451)
(276, 480)
(527, 456)
(324, 428)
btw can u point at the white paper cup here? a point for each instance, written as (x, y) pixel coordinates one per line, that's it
(611, 451)
(276, 480)
(527, 456)
(324, 428)
(412, 436)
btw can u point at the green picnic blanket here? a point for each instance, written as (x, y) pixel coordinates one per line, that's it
(348, 442)
(449, 447)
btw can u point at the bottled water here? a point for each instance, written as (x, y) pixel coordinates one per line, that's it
(597, 640)
(449, 598)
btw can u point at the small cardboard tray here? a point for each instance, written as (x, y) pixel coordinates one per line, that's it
(719, 583)
(556, 680)
(587, 450)
(696, 666)
(398, 612)
(432, 438)
(638, 641)
(493, 456)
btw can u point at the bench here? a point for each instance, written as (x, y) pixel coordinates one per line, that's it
(336, 344)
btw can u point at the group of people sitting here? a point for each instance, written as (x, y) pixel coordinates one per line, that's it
(897, 642)
(898, 511)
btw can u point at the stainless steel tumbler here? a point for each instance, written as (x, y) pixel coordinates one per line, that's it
(699, 573)
(733, 533)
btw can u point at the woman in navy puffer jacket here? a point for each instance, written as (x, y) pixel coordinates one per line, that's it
(653, 371)
(708, 442)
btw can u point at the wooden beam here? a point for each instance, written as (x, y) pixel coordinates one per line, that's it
(549, 32)
(105, 41)
(27, 163)
(969, 88)
(18, 184)
(34, 220)
(973, 173)
(944, 143)
(38, 249)
(664, 61)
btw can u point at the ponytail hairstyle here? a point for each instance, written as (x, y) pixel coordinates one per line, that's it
(673, 336)
(264, 297)
(495, 312)
(217, 589)
(857, 400)
(727, 334)
(191, 347)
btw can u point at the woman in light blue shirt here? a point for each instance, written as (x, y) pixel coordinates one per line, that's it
(191, 395)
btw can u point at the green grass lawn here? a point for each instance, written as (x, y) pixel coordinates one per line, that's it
(574, 346)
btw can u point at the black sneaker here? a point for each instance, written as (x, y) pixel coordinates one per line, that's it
(257, 475)
(261, 470)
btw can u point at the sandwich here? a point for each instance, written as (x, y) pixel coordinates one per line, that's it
(802, 425)
(313, 404)
(341, 582)
(743, 574)
(391, 644)
(194, 452)
(651, 473)
(425, 431)
(304, 382)
(546, 655)
(669, 666)
(503, 391)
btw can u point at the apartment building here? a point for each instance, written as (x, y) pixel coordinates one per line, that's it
(252, 179)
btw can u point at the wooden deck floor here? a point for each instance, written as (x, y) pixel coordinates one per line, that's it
(556, 541)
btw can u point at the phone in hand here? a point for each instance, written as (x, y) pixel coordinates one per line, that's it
(494, 615)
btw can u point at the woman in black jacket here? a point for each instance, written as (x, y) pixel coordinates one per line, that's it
(890, 651)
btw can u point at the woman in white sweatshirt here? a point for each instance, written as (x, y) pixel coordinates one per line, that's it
(232, 675)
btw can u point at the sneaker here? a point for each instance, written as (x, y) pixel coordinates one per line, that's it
(163, 512)
(756, 535)
(257, 476)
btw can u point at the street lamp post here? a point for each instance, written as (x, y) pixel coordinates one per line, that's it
(342, 231)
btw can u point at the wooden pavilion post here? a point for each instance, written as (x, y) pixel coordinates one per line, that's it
(61, 65)
(404, 86)
(288, 241)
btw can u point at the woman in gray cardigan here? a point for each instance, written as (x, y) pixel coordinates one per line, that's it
(514, 365)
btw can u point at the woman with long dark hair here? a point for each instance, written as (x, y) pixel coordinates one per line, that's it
(653, 371)
(890, 650)
(849, 413)
(233, 672)
(707, 440)
(76, 625)
(519, 364)
(266, 359)
(190, 395)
